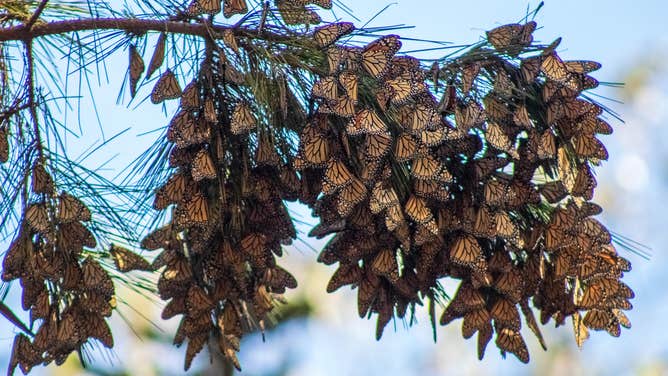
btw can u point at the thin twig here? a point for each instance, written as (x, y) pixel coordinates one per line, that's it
(36, 15)
(30, 84)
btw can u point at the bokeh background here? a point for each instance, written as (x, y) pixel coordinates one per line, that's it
(321, 333)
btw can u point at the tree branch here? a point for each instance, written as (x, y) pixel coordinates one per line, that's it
(36, 15)
(133, 25)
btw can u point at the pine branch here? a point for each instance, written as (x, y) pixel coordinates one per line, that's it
(135, 26)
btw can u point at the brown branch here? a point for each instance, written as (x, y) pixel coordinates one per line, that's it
(36, 15)
(133, 25)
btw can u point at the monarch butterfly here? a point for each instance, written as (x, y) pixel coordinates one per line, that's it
(496, 110)
(405, 148)
(136, 69)
(232, 7)
(184, 132)
(503, 86)
(71, 209)
(431, 189)
(542, 145)
(196, 343)
(485, 166)
(416, 208)
(418, 117)
(190, 96)
(210, 111)
(368, 290)
(428, 168)
(504, 36)
(500, 140)
(521, 117)
(95, 278)
(589, 147)
(278, 279)
(198, 7)
(466, 299)
(341, 57)
(530, 67)
(158, 55)
(24, 355)
(176, 306)
(377, 55)
(597, 319)
(38, 218)
(126, 260)
(296, 14)
(197, 301)
(394, 217)
(385, 264)
(593, 125)
(243, 120)
(4, 145)
(484, 336)
(505, 314)
(42, 182)
(505, 227)
(170, 193)
(326, 87)
(167, 87)
(484, 225)
(468, 115)
(351, 195)
(512, 37)
(582, 66)
(467, 252)
(203, 166)
(254, 246)
(591, 232)
(382, 198)
(404, 87)
(349, 82)
(193, 209)
(96, 327)
(337, 176)
(511, 341)
(346, 274)
(315, 150)
(496, 193)
(376, 146)
(266, 154)
(553, 191)
(343, 106)
(325, 4)
(71, 279)
(97, 303)
(366, 122)
(328, 34)
(469, 74)
(14, 260)
(584, 183)
(555, 69)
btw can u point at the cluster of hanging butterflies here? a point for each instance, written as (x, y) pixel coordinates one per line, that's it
(415, 189)
(228, 219)
(69, 294)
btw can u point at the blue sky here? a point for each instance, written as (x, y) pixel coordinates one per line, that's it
(618, 34)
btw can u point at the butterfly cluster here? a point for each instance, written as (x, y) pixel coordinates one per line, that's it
(491, 185)
(67, 292)
(228, 220)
